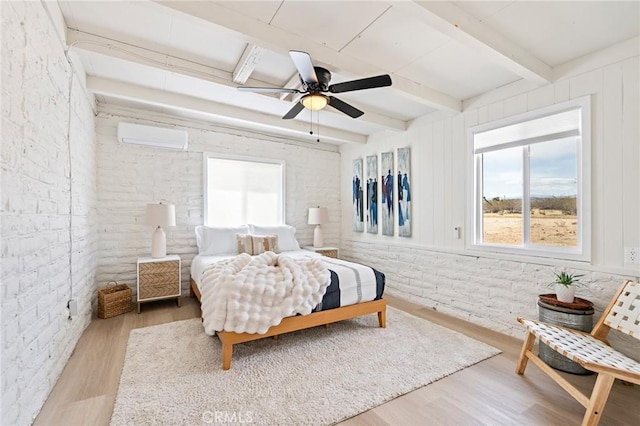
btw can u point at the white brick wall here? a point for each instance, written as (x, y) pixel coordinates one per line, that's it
(37, 336)
(130, 176)
(434, 269)
(490, 292)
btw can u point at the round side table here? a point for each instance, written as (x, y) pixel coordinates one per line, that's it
(577, 315)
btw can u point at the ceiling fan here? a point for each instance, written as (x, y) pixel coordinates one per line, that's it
(315, 83)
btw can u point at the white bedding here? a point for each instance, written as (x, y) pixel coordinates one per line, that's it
(200, 262)
(357, 282)
(249, 294)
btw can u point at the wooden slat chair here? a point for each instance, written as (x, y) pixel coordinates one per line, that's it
(591, 351)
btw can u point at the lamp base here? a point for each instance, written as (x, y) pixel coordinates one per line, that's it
(159, 243)
(317, 237)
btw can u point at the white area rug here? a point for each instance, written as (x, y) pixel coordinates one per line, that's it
(173, 372)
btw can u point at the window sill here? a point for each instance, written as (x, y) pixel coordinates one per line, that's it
(559, 253)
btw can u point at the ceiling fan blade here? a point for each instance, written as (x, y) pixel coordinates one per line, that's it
(303, 63)
(342, 106)
(268, 90)
(294, 111)
(364, 83)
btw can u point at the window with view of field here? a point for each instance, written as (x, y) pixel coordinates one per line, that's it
(529, 182)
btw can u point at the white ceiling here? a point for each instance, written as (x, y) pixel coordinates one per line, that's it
(179, 58)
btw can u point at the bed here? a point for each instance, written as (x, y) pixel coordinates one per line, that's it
(354, 290)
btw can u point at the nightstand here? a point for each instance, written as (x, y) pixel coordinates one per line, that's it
(158, 278)
(325, 251)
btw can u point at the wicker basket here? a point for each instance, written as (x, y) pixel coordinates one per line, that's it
(329, 253)
(114, 300)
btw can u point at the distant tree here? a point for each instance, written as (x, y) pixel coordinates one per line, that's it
(567, 205)
(502, 206)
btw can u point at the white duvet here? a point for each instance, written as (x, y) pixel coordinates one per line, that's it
(247, 294)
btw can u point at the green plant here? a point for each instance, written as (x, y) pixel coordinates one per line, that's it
(566, 279)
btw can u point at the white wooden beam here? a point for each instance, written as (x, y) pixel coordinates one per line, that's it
(277, 39)
(79, 40)
(247, 63)
(195, 123)
(609, 55)
(458, 24)
(218, 112)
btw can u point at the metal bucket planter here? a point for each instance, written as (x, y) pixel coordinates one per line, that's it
(577, 319)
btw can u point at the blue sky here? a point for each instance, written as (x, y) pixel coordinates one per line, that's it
(552, 166)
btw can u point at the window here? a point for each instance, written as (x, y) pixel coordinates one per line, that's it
(531, 183)
(241, 190)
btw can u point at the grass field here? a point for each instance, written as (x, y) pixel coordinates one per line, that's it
(548, 227)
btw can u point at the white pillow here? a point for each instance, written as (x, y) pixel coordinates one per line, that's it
(218, 240)
(286, 235)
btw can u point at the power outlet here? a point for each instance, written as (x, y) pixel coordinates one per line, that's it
(73, 308)
(632, 255)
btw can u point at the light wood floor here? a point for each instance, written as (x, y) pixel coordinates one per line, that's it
(487, 393)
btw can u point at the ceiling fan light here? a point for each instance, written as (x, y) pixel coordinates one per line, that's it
(314, 101)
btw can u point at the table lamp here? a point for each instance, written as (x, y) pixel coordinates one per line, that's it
(160, 215)
(318, 216)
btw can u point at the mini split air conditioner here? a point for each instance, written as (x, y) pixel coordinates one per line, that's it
(159, 137)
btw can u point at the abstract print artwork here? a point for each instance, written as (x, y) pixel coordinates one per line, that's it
(358, 202)
(386, 198)
(404, 192)
(372, 194)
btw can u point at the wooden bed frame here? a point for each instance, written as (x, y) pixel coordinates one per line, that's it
(295, 323)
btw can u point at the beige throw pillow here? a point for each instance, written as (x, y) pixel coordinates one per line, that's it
(245, 243)
(263, 243)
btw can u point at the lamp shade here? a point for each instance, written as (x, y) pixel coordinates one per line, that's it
(160, 215)
(318, 215)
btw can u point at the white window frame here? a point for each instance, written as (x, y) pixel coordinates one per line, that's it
(582, 252)
(205, 177)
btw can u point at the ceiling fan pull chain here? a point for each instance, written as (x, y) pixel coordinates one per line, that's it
(310, 122)
(318, 140)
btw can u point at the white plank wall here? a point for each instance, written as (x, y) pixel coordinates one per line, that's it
(438, 201)
(631, 153)
(612, 161)
(423, 225)
(439, 161)
(458, 179)
(448, 171)
(447, 273)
